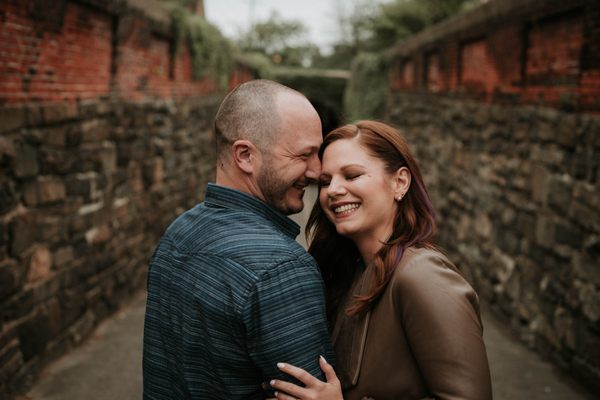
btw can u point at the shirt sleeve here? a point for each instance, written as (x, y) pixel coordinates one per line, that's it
(440, 313)
(285, 320)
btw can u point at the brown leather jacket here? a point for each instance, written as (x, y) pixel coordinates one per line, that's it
(422, 339)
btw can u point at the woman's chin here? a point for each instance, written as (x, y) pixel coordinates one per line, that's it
(345, 230)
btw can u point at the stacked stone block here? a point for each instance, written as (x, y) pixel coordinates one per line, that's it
(517, 191)
(86, 190)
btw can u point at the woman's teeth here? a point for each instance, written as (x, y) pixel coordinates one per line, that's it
(345, 207)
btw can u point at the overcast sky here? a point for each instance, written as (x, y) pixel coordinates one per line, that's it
(233, 16)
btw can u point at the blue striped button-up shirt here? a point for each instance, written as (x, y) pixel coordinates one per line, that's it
(230, 294)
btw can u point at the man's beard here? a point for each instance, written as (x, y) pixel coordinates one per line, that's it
(274, 189)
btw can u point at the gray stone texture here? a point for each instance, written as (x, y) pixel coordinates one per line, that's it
(85, 192)
(519, 201)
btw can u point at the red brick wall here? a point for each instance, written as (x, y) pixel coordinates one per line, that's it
(433, 73)
(83, 49)
(478, 72)
(530, 51)
(402, 75)
(38, 64)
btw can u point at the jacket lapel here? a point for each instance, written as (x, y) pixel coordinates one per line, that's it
(350, 333)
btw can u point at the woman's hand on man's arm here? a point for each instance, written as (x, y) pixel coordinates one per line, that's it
(313, 388)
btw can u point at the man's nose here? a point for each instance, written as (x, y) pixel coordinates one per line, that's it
(313, 169)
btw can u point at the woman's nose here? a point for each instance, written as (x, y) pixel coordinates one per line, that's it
(336, 188)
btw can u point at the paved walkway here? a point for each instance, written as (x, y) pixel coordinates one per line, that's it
(108, 366)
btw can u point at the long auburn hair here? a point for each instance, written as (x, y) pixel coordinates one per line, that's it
(414, 224)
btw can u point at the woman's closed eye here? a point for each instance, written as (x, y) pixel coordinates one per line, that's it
(324, 182)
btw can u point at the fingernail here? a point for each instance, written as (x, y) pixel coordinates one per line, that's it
(280, 365)
(272, 382)
(323, 358)
(275, 394)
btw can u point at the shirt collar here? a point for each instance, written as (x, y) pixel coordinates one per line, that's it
(222, 196)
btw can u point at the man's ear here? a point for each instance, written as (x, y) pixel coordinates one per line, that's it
(245, 155)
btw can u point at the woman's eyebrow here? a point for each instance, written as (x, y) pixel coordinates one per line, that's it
(349, 166)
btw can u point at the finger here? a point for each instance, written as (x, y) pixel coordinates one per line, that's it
(299, 374)
(284, 396)
(287, 388)
(328, 370)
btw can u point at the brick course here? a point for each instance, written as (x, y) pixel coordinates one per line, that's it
(512, 51)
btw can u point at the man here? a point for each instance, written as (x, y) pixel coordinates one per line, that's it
(230, 292)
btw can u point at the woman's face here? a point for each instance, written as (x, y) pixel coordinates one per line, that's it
(357, 194)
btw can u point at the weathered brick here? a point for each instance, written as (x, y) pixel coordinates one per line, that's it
(568, 131)
(52, 229)
(22, 234)
(62, 256)
(544, 230)
(540, 181)
(34, 115)
(11, 359)
(40, 263)
(57, 161)
(83, 184)
(99, 234)
(7, 151)
(526, 225)
(35, 332)
(108, 158)
(569, 235)
(26, 162)
(10, 276)
(590, 300)
(8, 196)
(44, 190)
(153, 171)
(53, 113)
(55, 136)
(559, 193)
(587, 194)
(585, 267)
(12, 117)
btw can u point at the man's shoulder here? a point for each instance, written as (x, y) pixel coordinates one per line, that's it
(231, 233)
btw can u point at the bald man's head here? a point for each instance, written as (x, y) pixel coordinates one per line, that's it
(249, 112)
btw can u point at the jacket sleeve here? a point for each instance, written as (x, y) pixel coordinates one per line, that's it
(440, 313)
(285, 320)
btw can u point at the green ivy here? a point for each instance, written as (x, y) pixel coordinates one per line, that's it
(259, 62)
(212, 53)
(367, 88)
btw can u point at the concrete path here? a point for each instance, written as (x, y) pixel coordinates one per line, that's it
(108, 366)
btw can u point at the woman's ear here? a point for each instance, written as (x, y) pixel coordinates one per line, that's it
(401, 183)
(244, 155)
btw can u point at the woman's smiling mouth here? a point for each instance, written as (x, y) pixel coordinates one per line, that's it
(345, 208)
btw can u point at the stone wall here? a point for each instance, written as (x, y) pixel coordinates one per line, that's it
(500, 106)
(105, 137)
(517, 192)
(86, 190)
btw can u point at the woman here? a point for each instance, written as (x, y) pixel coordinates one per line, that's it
(405, 324)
